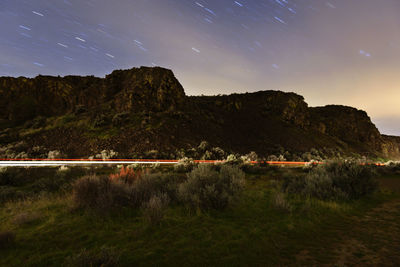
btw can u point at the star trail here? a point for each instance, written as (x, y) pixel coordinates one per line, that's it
(331, 52)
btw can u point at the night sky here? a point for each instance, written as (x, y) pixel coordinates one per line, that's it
(331, 52)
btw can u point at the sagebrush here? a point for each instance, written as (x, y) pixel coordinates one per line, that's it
(154, 209)
(334, 181)
(103, 193)
(207, 188)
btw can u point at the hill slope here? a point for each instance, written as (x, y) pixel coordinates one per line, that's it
(138, 111)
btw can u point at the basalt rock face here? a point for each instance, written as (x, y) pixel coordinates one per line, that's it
(269, 119)
(142, 89)
(348, 124)
(289, 107)
(391, 146)
(146, 109)
(24, 99)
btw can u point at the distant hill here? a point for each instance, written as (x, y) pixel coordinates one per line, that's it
(144, 112)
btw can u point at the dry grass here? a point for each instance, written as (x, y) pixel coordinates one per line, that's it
(26, 218)
(280, 203)
(106, 257)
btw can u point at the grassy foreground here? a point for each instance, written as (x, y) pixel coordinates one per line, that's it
(258, 229)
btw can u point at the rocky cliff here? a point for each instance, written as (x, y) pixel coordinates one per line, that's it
(135, 90)
(346, 123)
(145, 109)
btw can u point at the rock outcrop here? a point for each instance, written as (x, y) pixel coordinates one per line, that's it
(146, 109)
(391, 146)
(142, 89)
(346, 123)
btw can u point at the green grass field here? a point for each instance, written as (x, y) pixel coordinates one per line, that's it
(253, 231)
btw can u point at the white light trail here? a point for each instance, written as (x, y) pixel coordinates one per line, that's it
(24, 27)
(63, 45)
(200, 5)
(80, 39)
(26, 163)
(195, 50)
(37, 13)
(280, 20)
(239, 4)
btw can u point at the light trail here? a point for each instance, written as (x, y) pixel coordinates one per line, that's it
(62, 162)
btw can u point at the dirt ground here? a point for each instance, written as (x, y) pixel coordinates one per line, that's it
(374, 239)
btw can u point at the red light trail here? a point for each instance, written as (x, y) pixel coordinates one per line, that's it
(60, 162)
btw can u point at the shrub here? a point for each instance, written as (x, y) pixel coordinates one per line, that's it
(87, 191)
(307, 156)
(391, 167)
(21, 182)
(394, 164)
(293, 184)
(22, 155)
(207, 155)
(272, 158)
(55, 154)
(233, 159)
(207, 188)
(107, 154)
(184, 165)
(104, 193)
(256, 168)
(106, 257)
(154, 184)
(152, 154)
(319, 184)
(219, 153)
(252, 156)
(100, 193)
(154, 209)
(310, 165)
(7, 239)
(203, 146)
(5, 177)
(16, 176)
(353, 179)
(127, 175)
(154, 167)
(63, 168)
(51, 184)
(335, 180)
